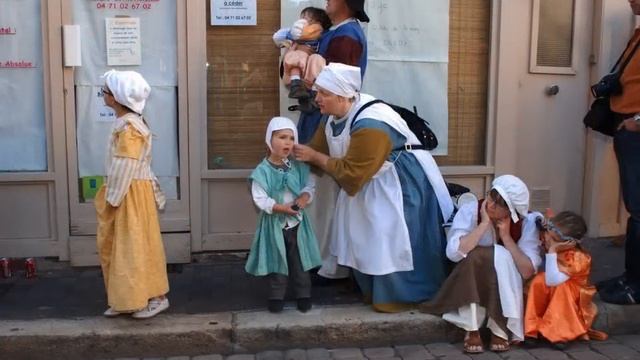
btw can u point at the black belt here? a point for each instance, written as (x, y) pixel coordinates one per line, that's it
(411, 147)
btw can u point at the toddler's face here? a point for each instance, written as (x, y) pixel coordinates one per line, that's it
(282, 143)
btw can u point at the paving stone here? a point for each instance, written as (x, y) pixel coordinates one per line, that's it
(178, 358)
(578, 347)
(548, 354)
(517, 354)
(154, 358)
(127, 359)
(346, 353)
(587, 355)
(442, 349)
(487, 355)
(241, 357)
(208, 357)
(380, 352)
(270, 355)
(387, 358)
(318, 354)
(459, 356)
(616, 351)
(295, 354)
(632, 341)
(413, 352)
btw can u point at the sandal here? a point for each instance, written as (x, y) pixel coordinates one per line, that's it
(473, 343)
(499, 344)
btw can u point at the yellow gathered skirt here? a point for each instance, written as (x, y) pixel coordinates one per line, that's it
(130, 248)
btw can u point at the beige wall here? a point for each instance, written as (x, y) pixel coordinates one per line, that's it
(540, 138)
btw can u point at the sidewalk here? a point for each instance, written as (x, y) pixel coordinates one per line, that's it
(218, 309)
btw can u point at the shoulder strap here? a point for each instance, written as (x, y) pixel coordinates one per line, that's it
(372, 102)
(628, 58)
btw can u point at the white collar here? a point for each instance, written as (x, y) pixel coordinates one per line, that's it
(342, 23)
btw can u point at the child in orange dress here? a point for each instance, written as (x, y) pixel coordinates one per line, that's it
(559, 302)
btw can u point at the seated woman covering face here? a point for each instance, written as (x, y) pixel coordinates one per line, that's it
(496, 244)
(387, 225)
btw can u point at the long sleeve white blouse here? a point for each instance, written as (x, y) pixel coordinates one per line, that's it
(466, 220)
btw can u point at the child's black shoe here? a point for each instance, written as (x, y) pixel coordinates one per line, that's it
(304, 304)
(297, 90)
(275, 305)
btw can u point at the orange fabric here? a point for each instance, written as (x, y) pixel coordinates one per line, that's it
(311, 32)
(564, 312)
(629, 102)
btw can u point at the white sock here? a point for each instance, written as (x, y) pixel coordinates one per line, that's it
(295, 77)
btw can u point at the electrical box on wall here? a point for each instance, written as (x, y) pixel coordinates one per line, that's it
(71, 44)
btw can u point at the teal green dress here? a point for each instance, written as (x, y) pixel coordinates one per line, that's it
(268, 254)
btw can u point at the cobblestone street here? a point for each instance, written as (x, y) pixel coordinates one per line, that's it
(622, 347)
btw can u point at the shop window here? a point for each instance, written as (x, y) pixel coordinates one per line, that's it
(23, 135)
(243, 86)
(552, 37)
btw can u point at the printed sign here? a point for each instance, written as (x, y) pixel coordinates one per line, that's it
(233, 12)
(123, 41)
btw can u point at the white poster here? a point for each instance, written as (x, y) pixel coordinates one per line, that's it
(23, 139)
(421, 34)
(234, 12)
(408, 59)
(157, 23)
(123, 41)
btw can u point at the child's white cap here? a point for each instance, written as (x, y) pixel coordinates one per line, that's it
(280, 123)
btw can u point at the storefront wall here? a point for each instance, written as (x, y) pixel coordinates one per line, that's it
(522, 131)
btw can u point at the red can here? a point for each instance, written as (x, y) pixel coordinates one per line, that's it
(30, 268)
(5, 268)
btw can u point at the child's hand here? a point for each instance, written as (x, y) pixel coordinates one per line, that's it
(303, 200)
(556, 247)
(285, 209)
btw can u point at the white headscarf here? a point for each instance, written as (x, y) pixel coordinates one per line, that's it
(129, 88)
(515, 193)
(340, 79)
(280, 123)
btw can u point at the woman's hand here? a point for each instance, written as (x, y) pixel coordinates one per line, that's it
(504, 229)
(304, 153)
(484, 215)
(303, 200)
(629, 124)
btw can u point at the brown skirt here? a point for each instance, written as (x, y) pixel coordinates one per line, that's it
(473, 280)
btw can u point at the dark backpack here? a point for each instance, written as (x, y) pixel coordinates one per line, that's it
(417, 125)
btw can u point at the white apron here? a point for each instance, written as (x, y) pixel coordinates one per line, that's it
(368, 231)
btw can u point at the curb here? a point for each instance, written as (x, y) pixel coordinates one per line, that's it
(245, 332)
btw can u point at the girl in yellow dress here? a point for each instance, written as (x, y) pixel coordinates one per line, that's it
(559, 302)
(129, 241)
